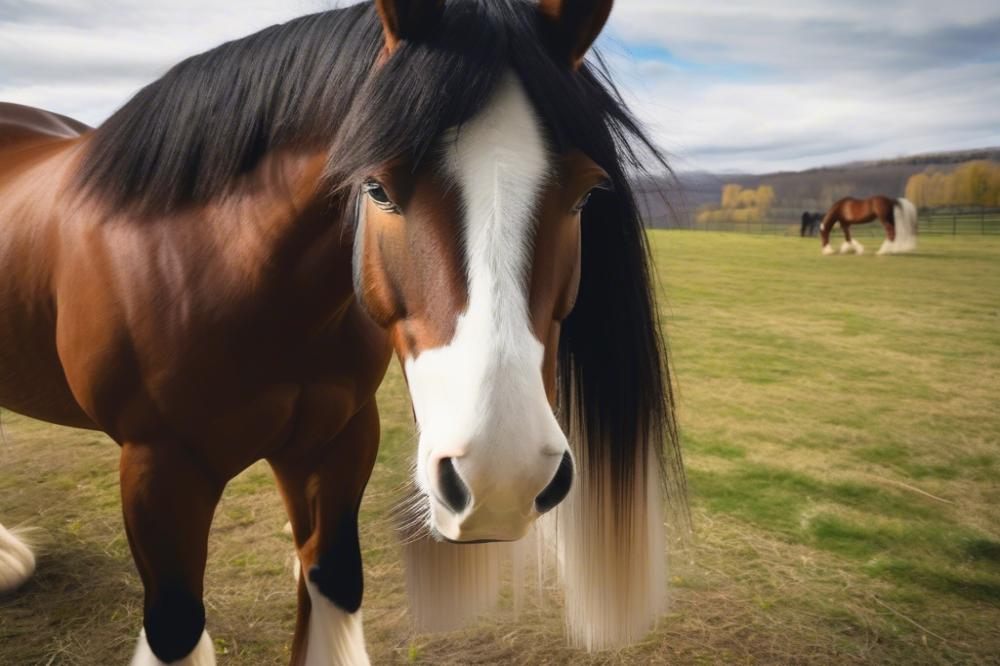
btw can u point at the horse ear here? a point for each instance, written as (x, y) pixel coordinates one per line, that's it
(407, 19)
(575, 25)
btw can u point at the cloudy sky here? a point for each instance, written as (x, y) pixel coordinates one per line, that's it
(754, 85)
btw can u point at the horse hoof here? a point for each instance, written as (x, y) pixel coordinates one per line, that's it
(827, 250)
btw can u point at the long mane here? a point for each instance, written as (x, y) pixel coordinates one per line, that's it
(187, 137)
(313, 81)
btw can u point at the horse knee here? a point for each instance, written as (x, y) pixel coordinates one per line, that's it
(174, 624)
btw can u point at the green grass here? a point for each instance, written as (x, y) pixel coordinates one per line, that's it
(841, 431)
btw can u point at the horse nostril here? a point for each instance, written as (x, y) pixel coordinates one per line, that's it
(558, 487)
(453, 491)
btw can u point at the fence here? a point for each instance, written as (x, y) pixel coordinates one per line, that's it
(931, 221)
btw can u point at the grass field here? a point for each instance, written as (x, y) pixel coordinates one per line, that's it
(842, 436)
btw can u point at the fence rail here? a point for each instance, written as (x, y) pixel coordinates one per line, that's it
(931, 221)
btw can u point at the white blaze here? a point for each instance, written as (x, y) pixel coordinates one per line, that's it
(481, 396)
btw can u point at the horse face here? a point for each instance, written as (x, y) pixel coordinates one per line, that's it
(471, 263)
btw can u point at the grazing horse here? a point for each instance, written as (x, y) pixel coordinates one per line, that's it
(810, 221)
(898, 218)
(221, 272)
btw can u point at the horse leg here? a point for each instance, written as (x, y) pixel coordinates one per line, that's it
(169, 499)
(17, 562)
(850, 245)
(847, 247)
(825, 229)
(889, 245)
(322, 489)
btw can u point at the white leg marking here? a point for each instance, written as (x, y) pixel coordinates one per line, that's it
(202, 655)
(17, 562)
(827, 250)
(335, 636)
(858, 247)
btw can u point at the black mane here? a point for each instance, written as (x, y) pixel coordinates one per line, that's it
(188, 136)
(313, 82)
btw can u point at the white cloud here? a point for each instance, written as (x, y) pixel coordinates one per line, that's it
(85, 59)
(755, 85)
(770, 84)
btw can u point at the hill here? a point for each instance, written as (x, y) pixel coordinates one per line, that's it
(671, 200)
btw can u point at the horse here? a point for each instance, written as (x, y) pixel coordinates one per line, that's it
(898, 218)
(221, 272)
(810, 221)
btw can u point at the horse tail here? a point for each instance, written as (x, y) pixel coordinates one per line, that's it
(17, 561)
(905, 218)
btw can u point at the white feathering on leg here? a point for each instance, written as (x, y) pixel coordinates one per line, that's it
(17, 562)
(202, 655)
(336, 637)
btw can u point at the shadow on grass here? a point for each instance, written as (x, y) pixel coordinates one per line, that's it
(82, 606)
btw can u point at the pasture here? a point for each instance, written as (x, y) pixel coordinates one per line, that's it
(841, 431)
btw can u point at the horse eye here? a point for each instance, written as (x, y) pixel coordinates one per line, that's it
(606, 186)
(583, 202)
(377, 192)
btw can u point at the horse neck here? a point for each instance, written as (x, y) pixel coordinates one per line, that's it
(283, 231)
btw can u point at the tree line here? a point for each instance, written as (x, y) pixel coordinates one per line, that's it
(972, 184)
(739, 204)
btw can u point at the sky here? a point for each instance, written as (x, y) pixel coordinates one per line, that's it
(750, 86)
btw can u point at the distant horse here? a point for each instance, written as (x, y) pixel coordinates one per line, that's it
(898, 218)
(221, 272)
(810, 221)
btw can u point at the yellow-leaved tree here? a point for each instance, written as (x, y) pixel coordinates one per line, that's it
(739, 205)
(971, 184)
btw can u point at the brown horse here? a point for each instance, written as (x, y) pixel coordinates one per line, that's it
(220, 274)
(898, 218)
